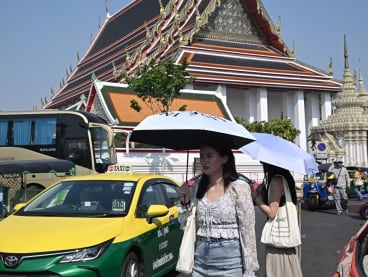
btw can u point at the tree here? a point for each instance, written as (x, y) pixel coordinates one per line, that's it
(280, 127)
(157, 84)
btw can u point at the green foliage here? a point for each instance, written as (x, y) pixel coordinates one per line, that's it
(157, 84)
(277, 126)
(312, 140)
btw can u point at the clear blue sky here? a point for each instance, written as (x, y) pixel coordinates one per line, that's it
(40, 39)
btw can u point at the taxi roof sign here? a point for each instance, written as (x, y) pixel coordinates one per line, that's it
(119, 168)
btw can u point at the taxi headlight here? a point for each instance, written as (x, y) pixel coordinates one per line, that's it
(85, 254)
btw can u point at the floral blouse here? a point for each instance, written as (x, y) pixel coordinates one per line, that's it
(217, 219)
(240, 195)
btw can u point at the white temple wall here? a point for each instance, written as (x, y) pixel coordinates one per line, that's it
(326, 105)
(237, 102)
(259, 104)
(312, 115)
(299, 118)
(275, 105)
(288, 105)
(252, 105)
(262, 104)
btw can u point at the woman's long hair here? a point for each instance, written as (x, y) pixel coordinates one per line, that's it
(270, 171)
(229, 170)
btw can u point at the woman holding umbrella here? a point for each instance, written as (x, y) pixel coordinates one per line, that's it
(270, 197)
(226, 241)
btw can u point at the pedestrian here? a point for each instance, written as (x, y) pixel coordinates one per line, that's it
(280, 262)
(358, 183)
(226, 240)
(2, 204)
(342, 181)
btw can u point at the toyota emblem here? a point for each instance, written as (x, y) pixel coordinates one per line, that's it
(11, 261)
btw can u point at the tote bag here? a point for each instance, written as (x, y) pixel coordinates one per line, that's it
(283, 231)
(186, 251)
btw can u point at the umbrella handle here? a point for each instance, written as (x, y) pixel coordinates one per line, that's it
(186, 171)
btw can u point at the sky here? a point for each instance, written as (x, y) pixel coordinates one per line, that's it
(40, 39)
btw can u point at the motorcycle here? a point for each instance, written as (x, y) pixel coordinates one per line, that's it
(318, 191)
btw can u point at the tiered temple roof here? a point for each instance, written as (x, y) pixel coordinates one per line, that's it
(225, 42)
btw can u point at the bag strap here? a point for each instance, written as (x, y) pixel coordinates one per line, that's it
(338, 175)
(286, 189)
(194, 209)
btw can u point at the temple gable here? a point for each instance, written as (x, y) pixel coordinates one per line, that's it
(231, 22)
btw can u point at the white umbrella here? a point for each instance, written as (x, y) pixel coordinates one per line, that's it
(185, 130)
(280, 152)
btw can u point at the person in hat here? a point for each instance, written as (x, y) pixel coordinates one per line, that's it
(342, 181)
(225, 216)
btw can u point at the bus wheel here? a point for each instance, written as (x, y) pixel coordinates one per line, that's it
(131, 266)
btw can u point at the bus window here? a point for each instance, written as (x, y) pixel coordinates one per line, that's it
(3, 131)
(22, 132)
(44, 131)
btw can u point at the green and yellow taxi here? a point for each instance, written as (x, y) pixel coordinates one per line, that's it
(110, 224)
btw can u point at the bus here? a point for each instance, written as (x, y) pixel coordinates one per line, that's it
(82, 138)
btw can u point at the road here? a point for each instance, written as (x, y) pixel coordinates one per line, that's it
(325, 233)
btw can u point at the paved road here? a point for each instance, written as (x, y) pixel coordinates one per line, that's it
(325, 234)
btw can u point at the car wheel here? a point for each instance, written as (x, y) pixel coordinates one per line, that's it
(363, 211)
(131, 266)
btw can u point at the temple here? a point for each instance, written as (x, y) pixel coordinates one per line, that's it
(240, 65)
(345, 131)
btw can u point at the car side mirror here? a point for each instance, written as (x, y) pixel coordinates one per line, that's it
(156, 211)
(18, 206)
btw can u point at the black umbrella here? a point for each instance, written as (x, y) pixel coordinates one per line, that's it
(189, 130)
(184, 130)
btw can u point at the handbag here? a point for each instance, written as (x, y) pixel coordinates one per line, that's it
(283, 231)
(186, 251)
(358, 182)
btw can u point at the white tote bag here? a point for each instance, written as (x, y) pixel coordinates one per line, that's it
(186, 252)
(283, 231)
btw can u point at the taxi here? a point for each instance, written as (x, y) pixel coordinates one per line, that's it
(108, 224)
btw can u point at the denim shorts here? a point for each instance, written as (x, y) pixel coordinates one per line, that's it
(217, 258)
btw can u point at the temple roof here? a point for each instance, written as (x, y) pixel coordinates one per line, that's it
(113, 101)
(225, 42)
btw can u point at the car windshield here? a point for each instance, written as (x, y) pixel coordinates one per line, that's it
(99, 198)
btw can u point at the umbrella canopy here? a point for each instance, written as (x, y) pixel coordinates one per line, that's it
(184, 130)
(280, 152)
